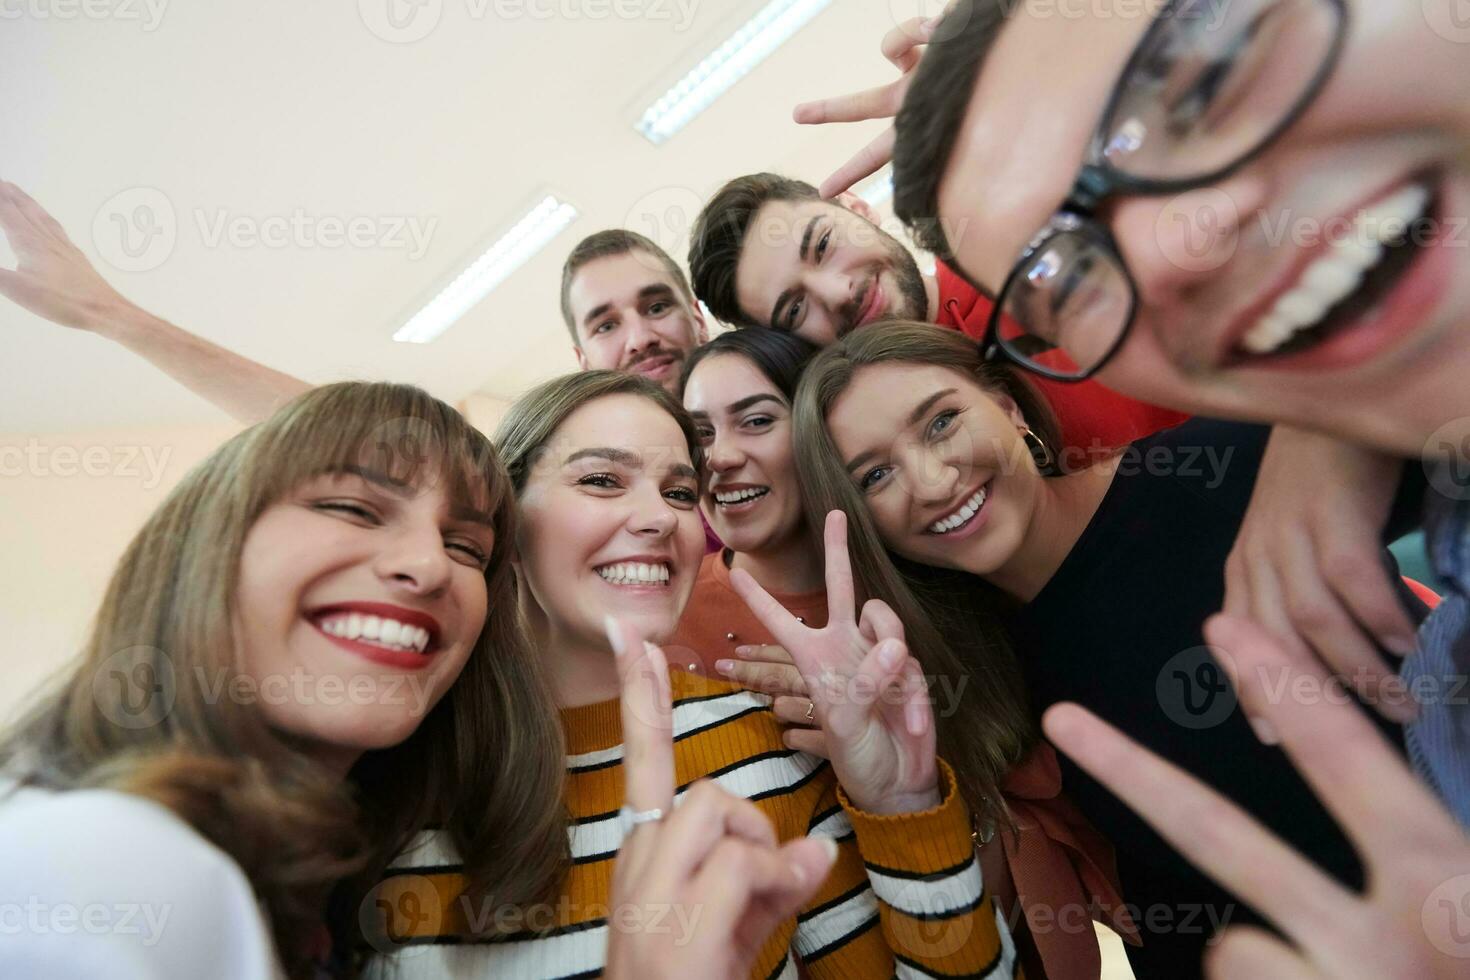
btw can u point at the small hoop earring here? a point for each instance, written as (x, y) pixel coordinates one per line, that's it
(1039, 452)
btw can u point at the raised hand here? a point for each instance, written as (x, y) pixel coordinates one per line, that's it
(1413, 922)
(900, 46)
(716, 856)
(53, 279)
(868, 695)
(1308, 561)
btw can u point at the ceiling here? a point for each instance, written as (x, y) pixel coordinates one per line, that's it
(267, 128)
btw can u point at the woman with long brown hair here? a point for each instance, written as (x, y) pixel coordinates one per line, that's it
(1103, 576)
(304, 658)
(740, 388)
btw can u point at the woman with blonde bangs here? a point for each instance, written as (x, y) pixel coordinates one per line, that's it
(244, 727)
(606, 469)
(1103, 576)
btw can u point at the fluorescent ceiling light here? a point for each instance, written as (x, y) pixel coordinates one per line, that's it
(877, 189)
(730, 62)
(494, 266)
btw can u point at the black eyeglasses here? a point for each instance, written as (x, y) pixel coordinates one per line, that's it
(1206, 91)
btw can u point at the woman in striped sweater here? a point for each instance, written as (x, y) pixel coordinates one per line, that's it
(606, 472)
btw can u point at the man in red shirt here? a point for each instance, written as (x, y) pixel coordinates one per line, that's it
(770, 251)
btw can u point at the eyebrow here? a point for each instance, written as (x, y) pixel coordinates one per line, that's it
(625, 457)
(647, 292)
(806, 243)
(914, 416)
(736, 407)
(404, 489)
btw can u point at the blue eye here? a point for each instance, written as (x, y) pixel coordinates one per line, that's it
(942, 423)
(871, 478)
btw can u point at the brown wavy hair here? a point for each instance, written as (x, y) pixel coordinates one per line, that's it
(952, 620)
(485, 764)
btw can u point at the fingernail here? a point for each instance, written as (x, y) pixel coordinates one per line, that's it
(743, 651)
(890, 655)
(725, 666)
(799, 873)
(830, 846)
(1265, 731)
(1402, 645)
(613, 635)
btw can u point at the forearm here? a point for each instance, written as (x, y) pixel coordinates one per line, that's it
(934, 912)
(248, 391)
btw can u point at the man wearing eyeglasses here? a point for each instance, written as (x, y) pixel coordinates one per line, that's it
(770, 251)
(1254, 210)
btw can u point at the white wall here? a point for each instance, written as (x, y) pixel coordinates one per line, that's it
(69, 503)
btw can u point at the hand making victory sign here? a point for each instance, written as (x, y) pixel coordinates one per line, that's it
(868, 695)
(716, 855)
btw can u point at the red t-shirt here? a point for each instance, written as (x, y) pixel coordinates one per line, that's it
(1093, 418)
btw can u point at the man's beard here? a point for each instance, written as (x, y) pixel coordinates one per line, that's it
(913, 297)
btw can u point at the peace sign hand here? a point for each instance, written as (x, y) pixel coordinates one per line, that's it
(868, 695)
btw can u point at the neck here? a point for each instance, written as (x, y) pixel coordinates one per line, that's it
(581, 671)
(1064, 508)
(931, 290)
(792, 567)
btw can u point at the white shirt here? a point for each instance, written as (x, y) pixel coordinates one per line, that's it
(98, 883)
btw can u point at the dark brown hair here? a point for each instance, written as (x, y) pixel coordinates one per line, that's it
(719, 236)
(486, 763)
(933, 110)
(603, 244)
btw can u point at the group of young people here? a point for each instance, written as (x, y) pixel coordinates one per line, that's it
(747, 656)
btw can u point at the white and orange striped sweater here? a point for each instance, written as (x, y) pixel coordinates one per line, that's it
(904, 898)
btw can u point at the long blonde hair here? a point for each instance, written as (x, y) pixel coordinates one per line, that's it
(486, 763)
(952, 620)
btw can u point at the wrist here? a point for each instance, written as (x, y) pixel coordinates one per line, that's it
(121, 321)
(912, 802)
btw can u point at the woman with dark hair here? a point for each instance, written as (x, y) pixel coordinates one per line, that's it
(739, 389)
(1104, 576)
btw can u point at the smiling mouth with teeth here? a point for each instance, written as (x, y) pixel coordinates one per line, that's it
(378, 631)
(962, 517)
(1349, 281)
(730, 498)
(632, 573)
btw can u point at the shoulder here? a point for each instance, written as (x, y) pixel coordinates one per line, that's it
(1210, 459)
(111, 875)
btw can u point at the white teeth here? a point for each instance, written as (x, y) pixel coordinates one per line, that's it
(377, 630)
(635, 573)
(961, 516)
(1339, 272)
(736, 496)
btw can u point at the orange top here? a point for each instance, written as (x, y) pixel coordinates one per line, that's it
(716, 621)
